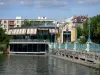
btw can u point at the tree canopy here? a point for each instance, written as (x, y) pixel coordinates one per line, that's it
(27, 23)
(4, 38)
(94, 28)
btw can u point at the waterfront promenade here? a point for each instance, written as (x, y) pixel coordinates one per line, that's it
(89, 59)
(77, 53)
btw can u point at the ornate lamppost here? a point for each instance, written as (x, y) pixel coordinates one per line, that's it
(67, 39)
(89, 36)
(76, 41)
(55, 38)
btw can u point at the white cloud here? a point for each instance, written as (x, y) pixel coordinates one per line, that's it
(51, 3)
(40, 3)
(88, 2)
(25, 2)
(2, 3)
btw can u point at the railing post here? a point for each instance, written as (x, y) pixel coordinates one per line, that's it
(54, 45)
(76, 41)
(75, 46)
(66, 46)
(88, 46)
(59, 45)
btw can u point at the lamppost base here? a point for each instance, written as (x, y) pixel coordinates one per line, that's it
(75, 45)
(88, 46)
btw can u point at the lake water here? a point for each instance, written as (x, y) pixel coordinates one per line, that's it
(41, 65)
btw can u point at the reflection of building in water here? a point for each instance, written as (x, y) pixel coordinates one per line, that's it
(42, 65)
(73, 68)
(60, 67)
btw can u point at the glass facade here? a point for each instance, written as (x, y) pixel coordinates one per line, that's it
(29, 47)
(41, 35)
(32, 42)
(67, 36)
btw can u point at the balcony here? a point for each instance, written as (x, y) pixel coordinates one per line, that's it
(24, 41)
(11, 22)
(11, 26)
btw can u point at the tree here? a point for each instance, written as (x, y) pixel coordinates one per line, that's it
(94, 28)
(81, 35)
(85, 29)
(27, 23)
(79, 32)
(4, 39)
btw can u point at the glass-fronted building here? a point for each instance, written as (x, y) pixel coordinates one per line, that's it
(32, 38)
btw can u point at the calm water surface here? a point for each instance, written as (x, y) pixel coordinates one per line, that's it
(41, 65)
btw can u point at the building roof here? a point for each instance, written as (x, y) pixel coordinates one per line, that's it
(30, 19)
(38, 26)
(79, 19)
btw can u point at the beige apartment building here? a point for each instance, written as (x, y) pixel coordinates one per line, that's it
(18, 22)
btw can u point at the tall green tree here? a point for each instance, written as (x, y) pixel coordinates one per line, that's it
(4, 38)
(27, 23)
(94, 28)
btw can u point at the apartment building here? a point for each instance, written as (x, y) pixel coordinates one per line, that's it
(7, 24)
(10, 23)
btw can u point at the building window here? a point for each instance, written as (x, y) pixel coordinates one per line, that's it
(75, 20)
(4, 26)
(4, 21)
(17, 25)
(12, 22)
(81, 20)
(17, 21)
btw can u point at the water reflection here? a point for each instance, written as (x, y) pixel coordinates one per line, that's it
(41, 65)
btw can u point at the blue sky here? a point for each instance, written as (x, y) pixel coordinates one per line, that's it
(52, 9)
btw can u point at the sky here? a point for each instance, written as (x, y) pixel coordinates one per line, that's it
(52, 9)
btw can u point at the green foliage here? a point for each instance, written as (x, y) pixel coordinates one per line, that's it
(85, 29)
(3, 48)
(79, 32)
(72, 42)
(82, 41)
(94, 28)
(4, 39)
(27, 23)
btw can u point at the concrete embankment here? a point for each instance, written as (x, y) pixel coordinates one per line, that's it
(89, 59)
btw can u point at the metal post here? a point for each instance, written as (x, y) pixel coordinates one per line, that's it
(55, 34)
(89, 36)
(75, 43)
(67, 39)
(55, 38)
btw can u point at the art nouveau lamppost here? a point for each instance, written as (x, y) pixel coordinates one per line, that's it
(76, 41)
(89, 36)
